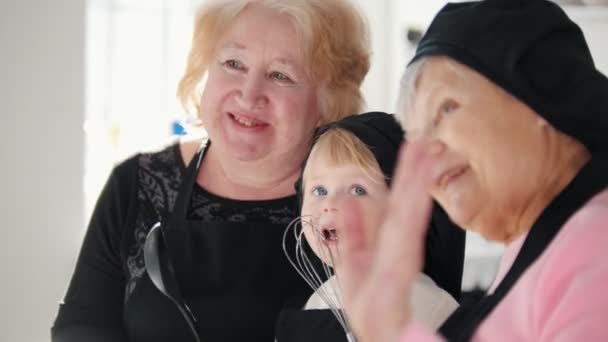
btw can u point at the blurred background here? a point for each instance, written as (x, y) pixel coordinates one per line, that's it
(85, 84)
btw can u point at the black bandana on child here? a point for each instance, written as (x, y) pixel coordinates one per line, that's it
(379, 131)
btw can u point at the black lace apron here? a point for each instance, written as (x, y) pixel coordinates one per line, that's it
(229, 279)
(592, 179)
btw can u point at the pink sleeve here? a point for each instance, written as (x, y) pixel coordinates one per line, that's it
(416, 332)
(572, 298)
(563, 297)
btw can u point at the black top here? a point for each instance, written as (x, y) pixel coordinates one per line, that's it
(297, 325)
(111, 298)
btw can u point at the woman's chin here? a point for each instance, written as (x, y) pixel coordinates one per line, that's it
(241, 145)
(239, 149)
(461, 216)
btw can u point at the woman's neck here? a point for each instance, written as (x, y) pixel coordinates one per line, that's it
(565, 157)
(245, 180)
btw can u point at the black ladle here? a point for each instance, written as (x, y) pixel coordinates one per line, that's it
(160, 270)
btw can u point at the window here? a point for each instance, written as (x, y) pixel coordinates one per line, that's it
(135, 53)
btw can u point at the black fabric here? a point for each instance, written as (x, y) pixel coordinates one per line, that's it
(111, 298)
(296, 325)
(93, 305)
(379, 131)
(246, 279)
(534, 51)
(591, 180)
(444, 252)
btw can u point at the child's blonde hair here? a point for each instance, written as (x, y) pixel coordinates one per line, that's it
(337, 147)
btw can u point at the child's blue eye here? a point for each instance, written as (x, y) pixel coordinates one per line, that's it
(358, 190)
(319, 191)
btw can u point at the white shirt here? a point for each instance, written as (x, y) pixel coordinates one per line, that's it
(431, 305)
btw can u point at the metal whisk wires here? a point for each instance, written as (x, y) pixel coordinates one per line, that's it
(317, 274)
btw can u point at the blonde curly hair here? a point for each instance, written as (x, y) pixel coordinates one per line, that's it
(335, 42)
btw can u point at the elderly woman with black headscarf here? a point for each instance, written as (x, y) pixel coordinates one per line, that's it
(507, 122)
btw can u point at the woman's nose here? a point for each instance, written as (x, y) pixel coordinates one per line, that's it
(252, 94)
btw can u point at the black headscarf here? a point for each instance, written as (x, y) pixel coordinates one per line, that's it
(535, 52)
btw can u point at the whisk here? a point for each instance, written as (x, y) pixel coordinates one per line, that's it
(328, 288)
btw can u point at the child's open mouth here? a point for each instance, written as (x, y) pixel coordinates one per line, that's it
(329, 234)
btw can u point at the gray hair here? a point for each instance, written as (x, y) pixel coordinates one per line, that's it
(407, 90)
(410, 81)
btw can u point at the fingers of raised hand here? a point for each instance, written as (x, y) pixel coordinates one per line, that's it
(377, 274)
(406, 221)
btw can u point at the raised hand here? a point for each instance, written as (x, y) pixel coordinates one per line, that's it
(381, 265)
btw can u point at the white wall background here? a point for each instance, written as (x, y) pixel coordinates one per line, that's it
(41, 159)
(389, 20)
(42, 101)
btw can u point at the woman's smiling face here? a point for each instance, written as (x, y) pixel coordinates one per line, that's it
(259, 102)
(488, 144)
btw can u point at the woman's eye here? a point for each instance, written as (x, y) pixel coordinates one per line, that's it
(319, 191)
(280, 76)
(448, 106)
(233, 64)
(358, 191)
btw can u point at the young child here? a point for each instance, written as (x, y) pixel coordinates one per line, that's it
(353, 157)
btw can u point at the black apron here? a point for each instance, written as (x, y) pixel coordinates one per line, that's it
(297, 325)
(230, 279)
(592, 179)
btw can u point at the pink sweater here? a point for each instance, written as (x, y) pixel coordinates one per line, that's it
(563, 296)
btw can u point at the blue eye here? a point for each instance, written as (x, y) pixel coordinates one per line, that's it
(358, 191)
(319, 191)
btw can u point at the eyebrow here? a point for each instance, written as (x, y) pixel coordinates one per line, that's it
(359, 178)
(284, 61)
(234, 45)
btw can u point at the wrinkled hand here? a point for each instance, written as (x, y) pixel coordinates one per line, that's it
(379, 268)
